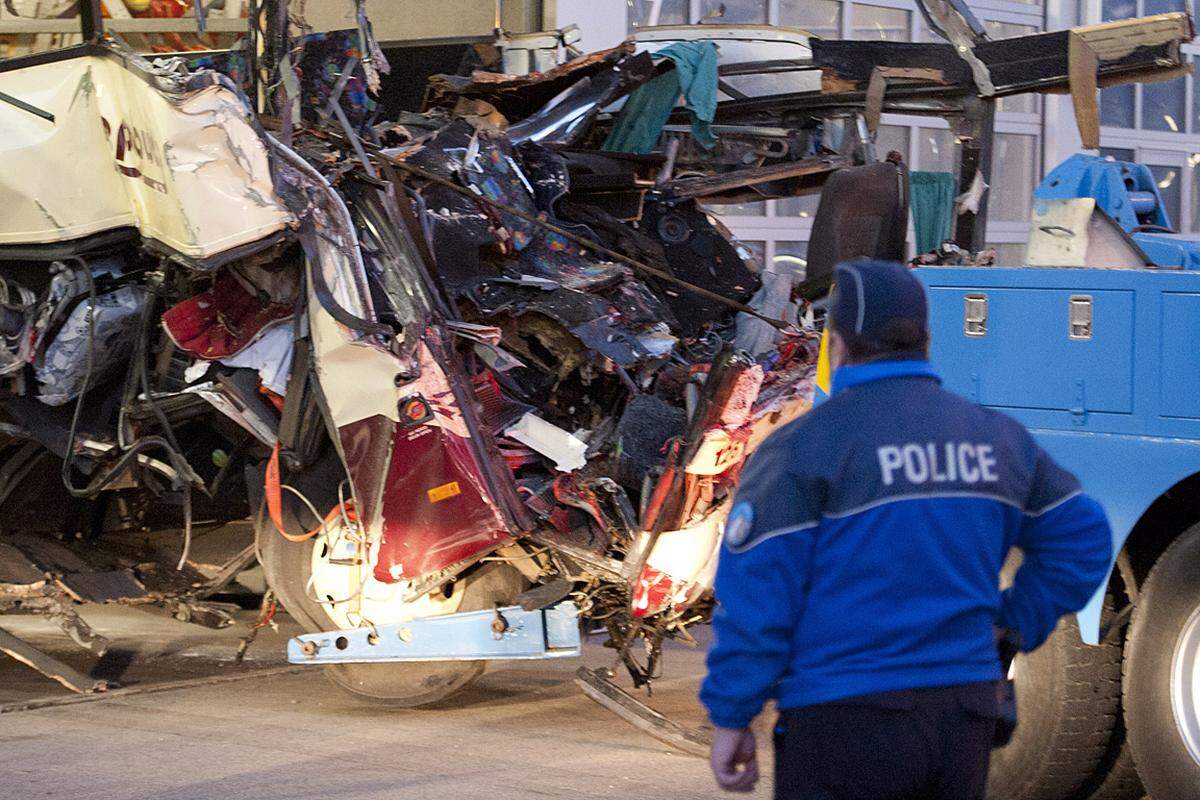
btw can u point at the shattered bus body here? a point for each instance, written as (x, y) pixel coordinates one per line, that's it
(473, 374)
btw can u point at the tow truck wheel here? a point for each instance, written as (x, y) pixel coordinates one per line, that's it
(1117, 778)
(1068, 698)
(288, 568)
(1162, 674)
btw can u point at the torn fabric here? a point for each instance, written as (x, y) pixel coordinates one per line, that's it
(222, 320)
(931, 198)
(65, 369)
(640, 123)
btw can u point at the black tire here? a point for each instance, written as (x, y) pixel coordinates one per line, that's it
(1117, 778)
(1168, 604)
(287, 567)
(1068, 700)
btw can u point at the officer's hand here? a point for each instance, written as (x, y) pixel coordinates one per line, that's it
(734, 759)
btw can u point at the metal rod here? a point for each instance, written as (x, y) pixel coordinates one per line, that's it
(21, 104)
(970, 228)
(585, 242)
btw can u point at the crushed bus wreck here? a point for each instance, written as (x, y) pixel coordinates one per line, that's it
(473, 373)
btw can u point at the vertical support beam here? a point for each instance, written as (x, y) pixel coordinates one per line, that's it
(283, 103)
(970, 227)
(255, 56)
(91, 20)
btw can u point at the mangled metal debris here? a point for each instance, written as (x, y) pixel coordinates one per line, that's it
(498, 353)
(565, 450)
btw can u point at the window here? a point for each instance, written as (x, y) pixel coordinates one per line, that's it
(1162, 106)
(1008, 254)
(756, 209)
(1162, 6)
(804, 206)
(925, 33)
(1193, 163)
(751, 11)
(1117, 106)
(876, 22)
(1021, 103)
(757, 251)
(1111, 10)
(791, 256)
(822, 17)
(1014, 172)
(936, 150)
(1168, 181)
(641, 13)
(1195, 101)
(889, 138)
(1119, 153)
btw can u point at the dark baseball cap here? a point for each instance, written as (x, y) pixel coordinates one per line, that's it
(881, 302)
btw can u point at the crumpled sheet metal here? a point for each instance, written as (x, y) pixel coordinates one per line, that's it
(621, 328)
(362, 367)
(420, 489)
(1127, 50)
(436, 509)
(599, 302)
(681, 567)
(518, 96)
(567, 118)
(63, 368)
(363, 372)
(461, 229)
(328, 235)
(699, 250)
(322, 61)
(191, 171)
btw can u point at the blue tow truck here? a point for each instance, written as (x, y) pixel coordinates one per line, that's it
(1094, 344)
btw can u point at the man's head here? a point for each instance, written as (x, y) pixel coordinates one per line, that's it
(877, 312)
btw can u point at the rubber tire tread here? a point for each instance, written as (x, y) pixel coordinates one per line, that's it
(1171, 590)
(1118, 777)
(1068, 701)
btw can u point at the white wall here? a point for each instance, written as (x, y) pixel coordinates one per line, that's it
(601, 21)
(402, 20)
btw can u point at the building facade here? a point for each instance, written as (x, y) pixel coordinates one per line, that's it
(1157, 124)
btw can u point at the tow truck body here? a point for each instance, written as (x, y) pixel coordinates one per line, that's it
(1094, 349)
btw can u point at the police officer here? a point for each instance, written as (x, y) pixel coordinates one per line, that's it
(858, 580)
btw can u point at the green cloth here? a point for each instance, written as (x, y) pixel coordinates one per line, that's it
(931, 197)
(641, 120)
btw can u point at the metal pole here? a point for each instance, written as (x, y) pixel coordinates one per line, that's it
(91, 20)
(970, 230)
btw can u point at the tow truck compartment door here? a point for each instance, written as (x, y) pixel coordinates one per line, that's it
(1040, 348)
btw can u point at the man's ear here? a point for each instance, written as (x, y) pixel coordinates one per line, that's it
(837, 349)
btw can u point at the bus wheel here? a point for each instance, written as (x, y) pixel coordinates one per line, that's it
(289, 569)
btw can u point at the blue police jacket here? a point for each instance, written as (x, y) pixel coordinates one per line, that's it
(864, 549)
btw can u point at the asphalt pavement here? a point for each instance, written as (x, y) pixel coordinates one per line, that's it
(523, 730)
